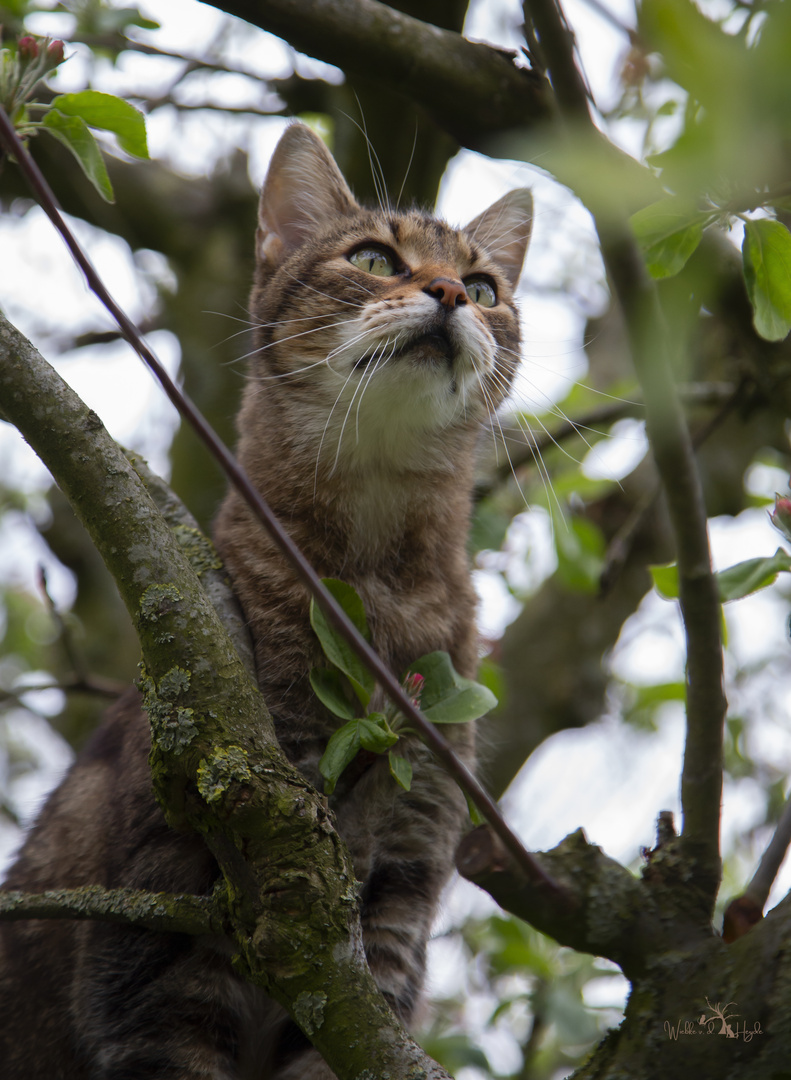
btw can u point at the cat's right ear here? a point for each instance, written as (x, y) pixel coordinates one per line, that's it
(303, 191)
(504, 230)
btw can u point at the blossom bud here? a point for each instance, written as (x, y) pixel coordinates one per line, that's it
(55, 52)
(27, 47)
(781, 515)
(413, 684)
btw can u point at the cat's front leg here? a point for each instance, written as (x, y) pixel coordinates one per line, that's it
(403, 845)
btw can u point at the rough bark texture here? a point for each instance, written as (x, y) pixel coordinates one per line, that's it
(680, 969)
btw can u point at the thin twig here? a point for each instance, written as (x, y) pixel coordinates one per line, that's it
(237, 476)
(612, 19)
(533, 447)
(86, 684)
(208, 106)
(169, 912)
(743, 912)
(194, 63)
(771, 860)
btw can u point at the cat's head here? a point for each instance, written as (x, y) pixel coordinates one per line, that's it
(380, 330)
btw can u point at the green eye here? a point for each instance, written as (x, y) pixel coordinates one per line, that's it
(374, 261)
(481, 292)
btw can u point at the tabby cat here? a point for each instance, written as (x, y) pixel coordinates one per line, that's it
(384, 341)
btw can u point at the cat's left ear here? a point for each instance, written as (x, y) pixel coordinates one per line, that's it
(504, 230)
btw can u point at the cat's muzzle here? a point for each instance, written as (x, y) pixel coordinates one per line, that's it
(434, 345)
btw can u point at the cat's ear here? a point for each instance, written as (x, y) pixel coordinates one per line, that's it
(303, 191)
(504, 230)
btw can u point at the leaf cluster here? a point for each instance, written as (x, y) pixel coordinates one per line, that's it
(728, 161)
(347, 688)
(68, 118)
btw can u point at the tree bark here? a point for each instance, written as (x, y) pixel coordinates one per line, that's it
(680, 969)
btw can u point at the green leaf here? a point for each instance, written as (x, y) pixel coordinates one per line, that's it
(643, 701)
(341, 751)
(696, 52)
(73, 132)
(668, 232)
(489, 526)
(447, 697)
(335, 647)
(666, 580)
(753, 574)
(400, 770)
(456, 1052)
(110, 113)
(375, 734)
(361, 733)
(766, 252)
(329, 687)
(734, 583)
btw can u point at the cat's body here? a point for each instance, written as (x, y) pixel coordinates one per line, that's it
(379, 356)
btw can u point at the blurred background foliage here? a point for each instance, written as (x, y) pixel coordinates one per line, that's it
(700, 98)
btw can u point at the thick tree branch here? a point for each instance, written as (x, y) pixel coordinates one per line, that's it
(611, 912)
(471, 90)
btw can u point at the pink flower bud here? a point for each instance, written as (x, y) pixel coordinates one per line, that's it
(28, 48)
(413, 684)
(781, 516)
(55, 51)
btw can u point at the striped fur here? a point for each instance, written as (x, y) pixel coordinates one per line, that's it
(359, 422)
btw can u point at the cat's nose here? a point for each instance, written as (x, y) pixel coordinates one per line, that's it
(450, 293)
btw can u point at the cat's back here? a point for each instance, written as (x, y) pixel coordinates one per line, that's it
(101, 826)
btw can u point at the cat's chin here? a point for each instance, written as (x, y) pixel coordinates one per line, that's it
(433, 346)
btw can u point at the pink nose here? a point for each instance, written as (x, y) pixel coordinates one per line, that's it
(450, 293)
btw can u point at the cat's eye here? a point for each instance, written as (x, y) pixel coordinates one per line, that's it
(481, 292)
(374, 260)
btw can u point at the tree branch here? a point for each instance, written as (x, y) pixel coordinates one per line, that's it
(746, 910)
(771, 860)
(161, 912)
(472, 90)
(650, 343)
(611, 912)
